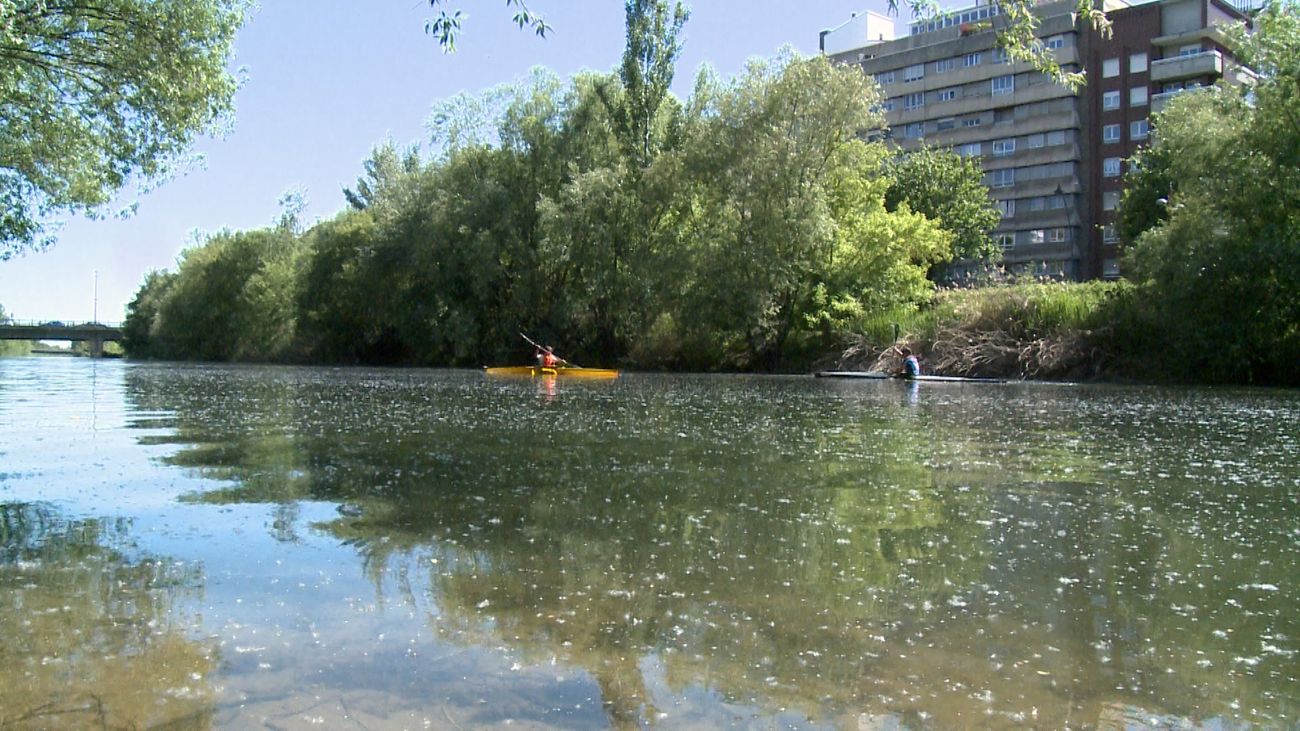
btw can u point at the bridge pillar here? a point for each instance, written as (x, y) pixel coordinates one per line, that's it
(96, 347)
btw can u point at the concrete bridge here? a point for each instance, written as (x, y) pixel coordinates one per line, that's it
(94, 333)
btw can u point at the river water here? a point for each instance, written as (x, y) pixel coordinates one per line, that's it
(199, 546)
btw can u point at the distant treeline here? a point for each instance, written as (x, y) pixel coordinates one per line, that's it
(751, 227)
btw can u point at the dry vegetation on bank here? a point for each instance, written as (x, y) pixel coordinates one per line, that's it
(1051, 331)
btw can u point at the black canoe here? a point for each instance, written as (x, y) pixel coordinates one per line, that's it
(881, 376)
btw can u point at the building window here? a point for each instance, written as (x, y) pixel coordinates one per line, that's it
(947, 95)
(1008, 208)
(1002, 178)
(1138, 129)
(970, 149)
(944, 65)
(885, 77)
(1110, 68)
(1000, 55)
(1056, 137)
(1137, 96)
(1007, 241)
(1110, 167)
(1137, 63)
(1110, 133)
(1035, 141)
(913, 131)
(974, 121)
(1004, 84)
(1110, 100)
(1056, 235)
(915, 100)
(914, 73)
(972, 59)
(947, 123)
(1109, 200)
(1055, 42)
(888, 105)
(1110, 268)
(1190, 50)
(1037, 235)
(1004, 147)
(1108, 233)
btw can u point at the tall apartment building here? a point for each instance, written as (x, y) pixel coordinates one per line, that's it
(1052, 158)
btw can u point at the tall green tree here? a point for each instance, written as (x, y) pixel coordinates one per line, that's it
(950, 189)
(771, 160)
(230, 299)
(603, 222)
(1221, 268)
(141, 329)
(654, 29)
(1148, 183)
(96, 93)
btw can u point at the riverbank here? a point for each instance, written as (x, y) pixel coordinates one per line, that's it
(1042, 331)
(1064, 331)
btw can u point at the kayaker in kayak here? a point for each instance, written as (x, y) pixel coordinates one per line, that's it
(547, 358)
(911, 364)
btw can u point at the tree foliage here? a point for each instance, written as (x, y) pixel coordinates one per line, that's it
(446, 26)
(96, 93)
(744, 228)
(772, 153)
(949, 189)
(1220, 262)
(649, 62)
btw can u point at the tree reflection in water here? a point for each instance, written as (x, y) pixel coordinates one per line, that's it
(91, 638)
(841, 563)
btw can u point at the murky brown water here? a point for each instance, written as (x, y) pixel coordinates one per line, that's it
(229, 547)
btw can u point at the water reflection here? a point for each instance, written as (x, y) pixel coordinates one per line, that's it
(819, 552)
(91, 636)
(397, 549)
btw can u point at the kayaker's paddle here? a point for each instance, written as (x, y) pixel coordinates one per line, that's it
(894, 348)
(537, 345)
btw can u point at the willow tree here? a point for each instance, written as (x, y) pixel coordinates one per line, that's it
(96, 93)
(784, 205)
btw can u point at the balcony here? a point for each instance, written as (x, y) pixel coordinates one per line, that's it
(1205, 63)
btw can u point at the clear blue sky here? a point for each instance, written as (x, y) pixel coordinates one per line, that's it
(327, 80)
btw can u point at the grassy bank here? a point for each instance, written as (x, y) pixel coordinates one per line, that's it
(1062, 331)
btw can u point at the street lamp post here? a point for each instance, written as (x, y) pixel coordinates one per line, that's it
(1068, 232)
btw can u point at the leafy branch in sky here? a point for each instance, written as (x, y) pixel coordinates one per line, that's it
(97, 93)
(446, 27)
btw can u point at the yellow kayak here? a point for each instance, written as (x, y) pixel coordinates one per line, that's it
(563, 372)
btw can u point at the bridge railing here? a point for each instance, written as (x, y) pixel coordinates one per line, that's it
(60, 323)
